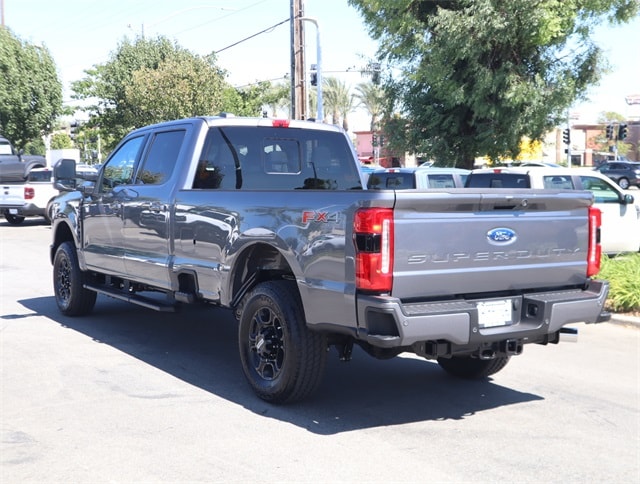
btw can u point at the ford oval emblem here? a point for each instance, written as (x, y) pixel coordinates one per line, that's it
(501, 236)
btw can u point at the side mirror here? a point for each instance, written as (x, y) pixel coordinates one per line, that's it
(628, 199)
(64, 175)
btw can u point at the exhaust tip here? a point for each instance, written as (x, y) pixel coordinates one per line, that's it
(569, 335)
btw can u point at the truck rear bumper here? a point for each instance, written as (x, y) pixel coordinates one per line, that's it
(26, 210)
(388, 322)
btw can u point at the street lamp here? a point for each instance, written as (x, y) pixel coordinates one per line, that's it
(320, 116)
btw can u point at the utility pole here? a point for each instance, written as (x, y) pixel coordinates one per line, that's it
(298, 84)
(318, 80)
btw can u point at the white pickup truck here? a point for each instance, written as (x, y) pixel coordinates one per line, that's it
(620, 231)
(28, 199)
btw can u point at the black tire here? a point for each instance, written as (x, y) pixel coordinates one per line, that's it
(473, 368)
(13, 219)
(282, 359)
(71, 297)
(623, 183)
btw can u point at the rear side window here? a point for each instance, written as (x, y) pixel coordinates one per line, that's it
(5, 148)
(40, 176)
(161, 158)
(557, 182)
(441, 181)
(266, 158)
(498, 180)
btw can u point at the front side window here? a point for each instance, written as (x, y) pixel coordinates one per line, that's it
(602, 191)
(119, 168)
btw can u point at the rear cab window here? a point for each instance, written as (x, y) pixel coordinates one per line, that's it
(40, 176)
(498, 180)
(391, 181)
(268, 158)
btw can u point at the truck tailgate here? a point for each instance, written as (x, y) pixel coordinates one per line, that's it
(12, 194)
(466, 241)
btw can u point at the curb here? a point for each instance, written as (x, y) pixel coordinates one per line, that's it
(625, 319)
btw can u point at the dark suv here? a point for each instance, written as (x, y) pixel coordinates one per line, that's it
(624, 173)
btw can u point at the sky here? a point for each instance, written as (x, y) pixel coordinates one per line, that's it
(82, 33)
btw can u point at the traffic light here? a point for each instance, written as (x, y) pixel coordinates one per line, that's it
(375, 139)
(566, 136)
(73, 130)
(375, 74)
(622, 131)
(314, 75)
(610, 131)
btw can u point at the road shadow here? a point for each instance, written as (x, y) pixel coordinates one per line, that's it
(27, 222)
(199, 346)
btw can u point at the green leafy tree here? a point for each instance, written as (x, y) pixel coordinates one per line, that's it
(178, 87)
(254, 99)
(30, 91)
(61, 141)
(478, 75)
(148, 80)
(277, 97)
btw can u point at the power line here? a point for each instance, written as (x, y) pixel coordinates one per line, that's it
(286, 76)
(252, 36)
(220, 18)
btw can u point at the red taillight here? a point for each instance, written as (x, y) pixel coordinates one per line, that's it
(280, 123)
(373, 238)
(594, 251)
(29, 193)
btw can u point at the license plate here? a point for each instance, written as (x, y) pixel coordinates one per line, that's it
(13, 211)
(494, 313)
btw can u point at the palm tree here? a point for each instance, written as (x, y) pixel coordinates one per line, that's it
(371, 97)
(338, 100)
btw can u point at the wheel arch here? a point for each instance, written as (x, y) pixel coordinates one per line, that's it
(254, 264)
(61, 233)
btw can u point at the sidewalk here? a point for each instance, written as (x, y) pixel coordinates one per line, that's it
(625, 319)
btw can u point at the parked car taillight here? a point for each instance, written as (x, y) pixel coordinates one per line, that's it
(29, 193)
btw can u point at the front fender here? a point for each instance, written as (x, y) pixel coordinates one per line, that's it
(66, 223)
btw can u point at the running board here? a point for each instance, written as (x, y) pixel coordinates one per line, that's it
(133, 298)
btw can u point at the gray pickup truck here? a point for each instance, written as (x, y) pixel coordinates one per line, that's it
(14, 164)
(272, 219)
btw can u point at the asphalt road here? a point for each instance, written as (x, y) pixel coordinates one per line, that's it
(130, 395)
